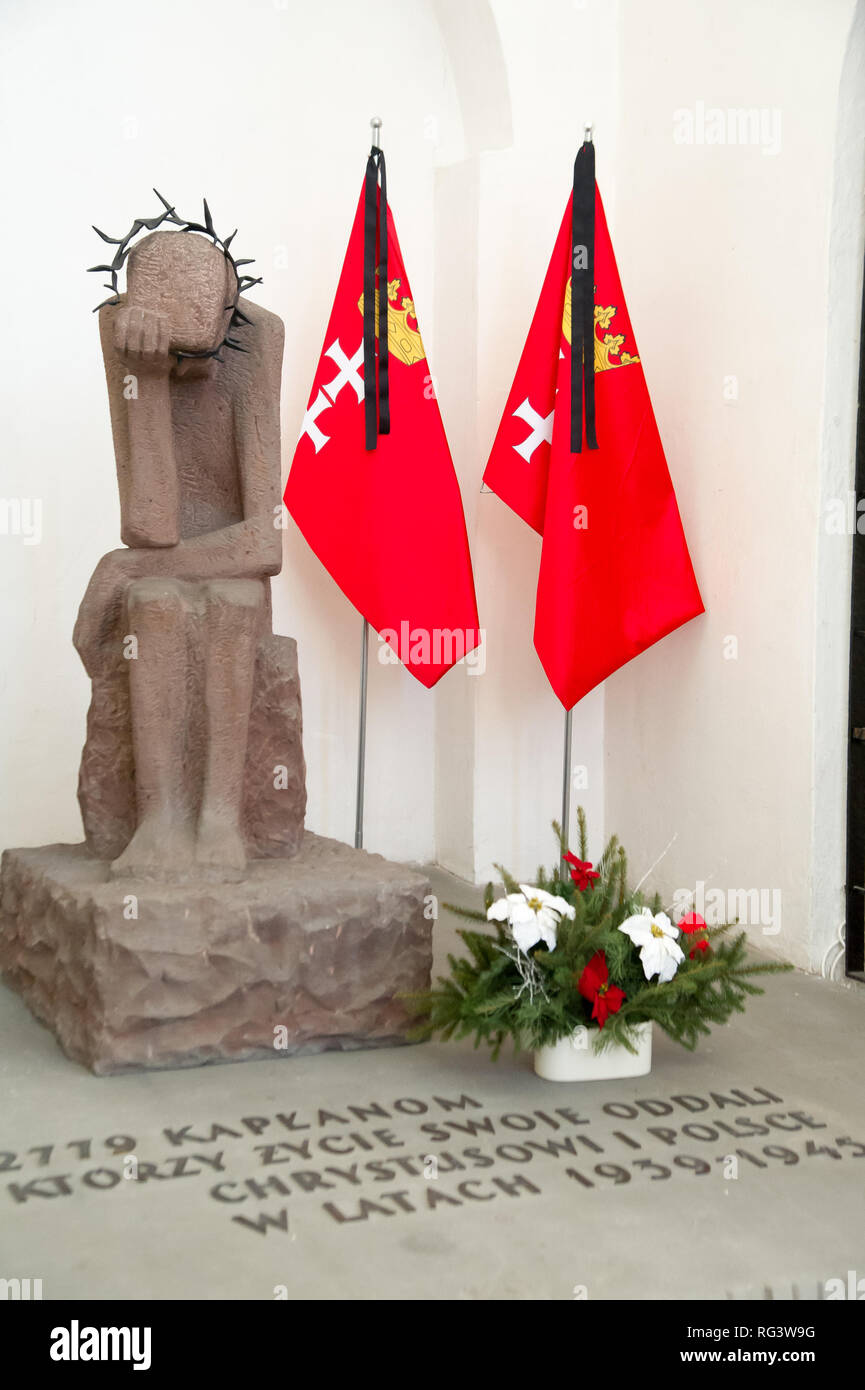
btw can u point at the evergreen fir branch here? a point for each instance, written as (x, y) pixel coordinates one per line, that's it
(511, 884)
(606, 859)
(582, 834)
(623, 876)
(470, 913)
(560, 836)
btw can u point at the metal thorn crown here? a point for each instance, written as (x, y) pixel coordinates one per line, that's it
(150, 224)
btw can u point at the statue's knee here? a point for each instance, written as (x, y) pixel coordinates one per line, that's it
(235, 593)
(154, 594)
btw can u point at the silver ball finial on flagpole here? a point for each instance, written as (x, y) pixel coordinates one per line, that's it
(587, 133)
(375, 124)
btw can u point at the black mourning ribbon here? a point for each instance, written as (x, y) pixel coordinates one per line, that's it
(583, 299)
(375, 393)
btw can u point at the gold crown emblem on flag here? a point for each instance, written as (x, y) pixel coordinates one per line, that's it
(610, 345)
(404, 342)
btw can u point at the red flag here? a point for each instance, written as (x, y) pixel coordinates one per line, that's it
(387, 523)
(615, 573)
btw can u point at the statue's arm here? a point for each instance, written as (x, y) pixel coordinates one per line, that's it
(256, 419)
(252, 548)
(137, 368)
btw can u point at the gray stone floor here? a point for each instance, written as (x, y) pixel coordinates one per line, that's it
(559, 1196)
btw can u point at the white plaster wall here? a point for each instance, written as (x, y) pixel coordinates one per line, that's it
(731, 277)
(264, 109)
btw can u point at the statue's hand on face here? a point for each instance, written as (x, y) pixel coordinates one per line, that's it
(141, 336)
(179, 291)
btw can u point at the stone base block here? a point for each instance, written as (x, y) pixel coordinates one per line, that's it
(304, 955)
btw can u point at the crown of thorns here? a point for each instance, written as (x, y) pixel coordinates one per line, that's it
(169, 214)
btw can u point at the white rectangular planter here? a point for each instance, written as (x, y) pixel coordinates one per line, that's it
(574, 1058)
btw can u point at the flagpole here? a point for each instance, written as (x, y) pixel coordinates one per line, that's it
(566, 780)
(566, 756)
(375, 125)
(361, 736)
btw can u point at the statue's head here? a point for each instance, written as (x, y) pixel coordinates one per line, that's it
(188, 280)
(190, 276)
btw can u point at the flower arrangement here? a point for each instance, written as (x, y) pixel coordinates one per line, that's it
(579, 949)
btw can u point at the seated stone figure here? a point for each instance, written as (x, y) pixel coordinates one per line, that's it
(193, 760)
(200, 922)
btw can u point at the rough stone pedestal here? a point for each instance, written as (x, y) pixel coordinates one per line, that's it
(306, 954)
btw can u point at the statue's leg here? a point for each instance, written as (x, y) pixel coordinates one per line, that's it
(163, 844)
(232, 627)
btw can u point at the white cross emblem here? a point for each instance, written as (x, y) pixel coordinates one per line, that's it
(541, 426)
(310, 427)
(348, 374)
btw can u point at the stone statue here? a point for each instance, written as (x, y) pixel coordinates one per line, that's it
(200, 921)
(183, 608)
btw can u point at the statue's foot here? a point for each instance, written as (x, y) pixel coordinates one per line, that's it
(162, 848)
(220, 853)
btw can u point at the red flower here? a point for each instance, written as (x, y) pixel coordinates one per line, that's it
(581, 871)
(594, 985)
(690, 923)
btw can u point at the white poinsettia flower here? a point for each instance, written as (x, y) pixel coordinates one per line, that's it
(532, 915)
(655, 935)
(550, 901)
(501, 909)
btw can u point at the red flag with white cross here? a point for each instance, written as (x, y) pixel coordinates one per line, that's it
(372, 485)
(615, 573)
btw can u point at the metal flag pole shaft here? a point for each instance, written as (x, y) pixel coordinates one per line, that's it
(566, 757)
(375, 125)
(566, 779)
(361, 736)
